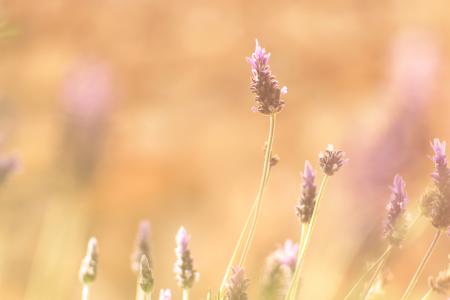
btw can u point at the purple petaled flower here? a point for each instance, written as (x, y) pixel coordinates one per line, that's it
(287, 255)
(142, 246)
(307, 201)
(237, 285)
(441, 175)
(184, 269)
(264, 85)
(145, 278)
(331, 160)
(165, 294)
(396, 222)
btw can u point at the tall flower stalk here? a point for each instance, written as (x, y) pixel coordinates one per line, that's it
(267, 102)
(88, 268)
(185, 273)
(331, 160)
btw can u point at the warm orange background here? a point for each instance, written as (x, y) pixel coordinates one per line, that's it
(175, 140)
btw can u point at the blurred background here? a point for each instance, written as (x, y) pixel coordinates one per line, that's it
(116, 111)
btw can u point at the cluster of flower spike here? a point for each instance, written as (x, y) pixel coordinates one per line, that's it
(184, 268)
(307, 201)
(397, 220)
(441, 284)
(435, 202)
(264, 85)
(237, 285)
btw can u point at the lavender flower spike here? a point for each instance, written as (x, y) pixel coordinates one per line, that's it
(146, 281)
(441, 175)
(142, 246)
(184, 269)
(397, 220)
(264, 85)
(88, 269)
(331, 160)
(307, 201)
(237, 285)
(165, 294)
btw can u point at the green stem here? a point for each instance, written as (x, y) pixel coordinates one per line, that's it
(422, 264)
(255, 207)
(304, 247)
(374, 277)
(185, 294)
(293, 287)
(427, 295)
(367, 272)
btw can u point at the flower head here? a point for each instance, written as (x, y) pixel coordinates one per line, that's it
(397, 220)
(441, 284)
(184, 268)
(331, 160)
(142, 246)
(236, 288)
(307, 201)
(88, 269)
(146, 281)
(441, 175)
(165, 294)
(264, 85)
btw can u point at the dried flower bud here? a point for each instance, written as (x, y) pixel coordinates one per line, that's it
(441, 284)
(397, 220)
(142, 246)
(88, 269)
(331, 160)
(184, 268)
(307, 202)
(146, 281)
(165, 294)
(264, 85)
(280, 267)
(236, 288)
(274, 160)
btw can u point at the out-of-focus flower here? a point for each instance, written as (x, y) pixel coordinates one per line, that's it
(264, 84)
(165, 294)
(88, 269)
(397, 220)
(307, 201)
(331, 160)
(279, 268)
(142, 246)
(184, 270)
(236, 288)
(441, 284)
(8, 164)
(146, 281)
(435, 203)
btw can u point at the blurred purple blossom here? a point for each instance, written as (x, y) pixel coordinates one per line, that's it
(165, 294)
(184, 270)
(441, 175)
(305, 208)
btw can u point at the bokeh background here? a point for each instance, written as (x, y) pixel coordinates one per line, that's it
(119, 111)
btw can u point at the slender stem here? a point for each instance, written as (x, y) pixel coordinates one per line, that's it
(262, 185)
(374, 277)
(85, 292)
(251, 217)
(427, 295)
(367, 272)
(185, 294)
(422, 264)
(304, 247)
(293, 287)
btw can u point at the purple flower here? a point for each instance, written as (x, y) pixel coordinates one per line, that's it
(146, 281)
(184, 268)
(396, 222)
(331, 160)
(287, 254)
(237, 285)
(264, 85)
(142, 246)
(441, 175)
(307, 201)
(165, 294)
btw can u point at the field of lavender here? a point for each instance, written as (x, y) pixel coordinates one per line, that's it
(224, 150)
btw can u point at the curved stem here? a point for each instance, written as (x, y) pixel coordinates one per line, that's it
(255, 207)
(422, 264)
(367, 272)
(427, 295)
(374, 277)
(304, 247)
